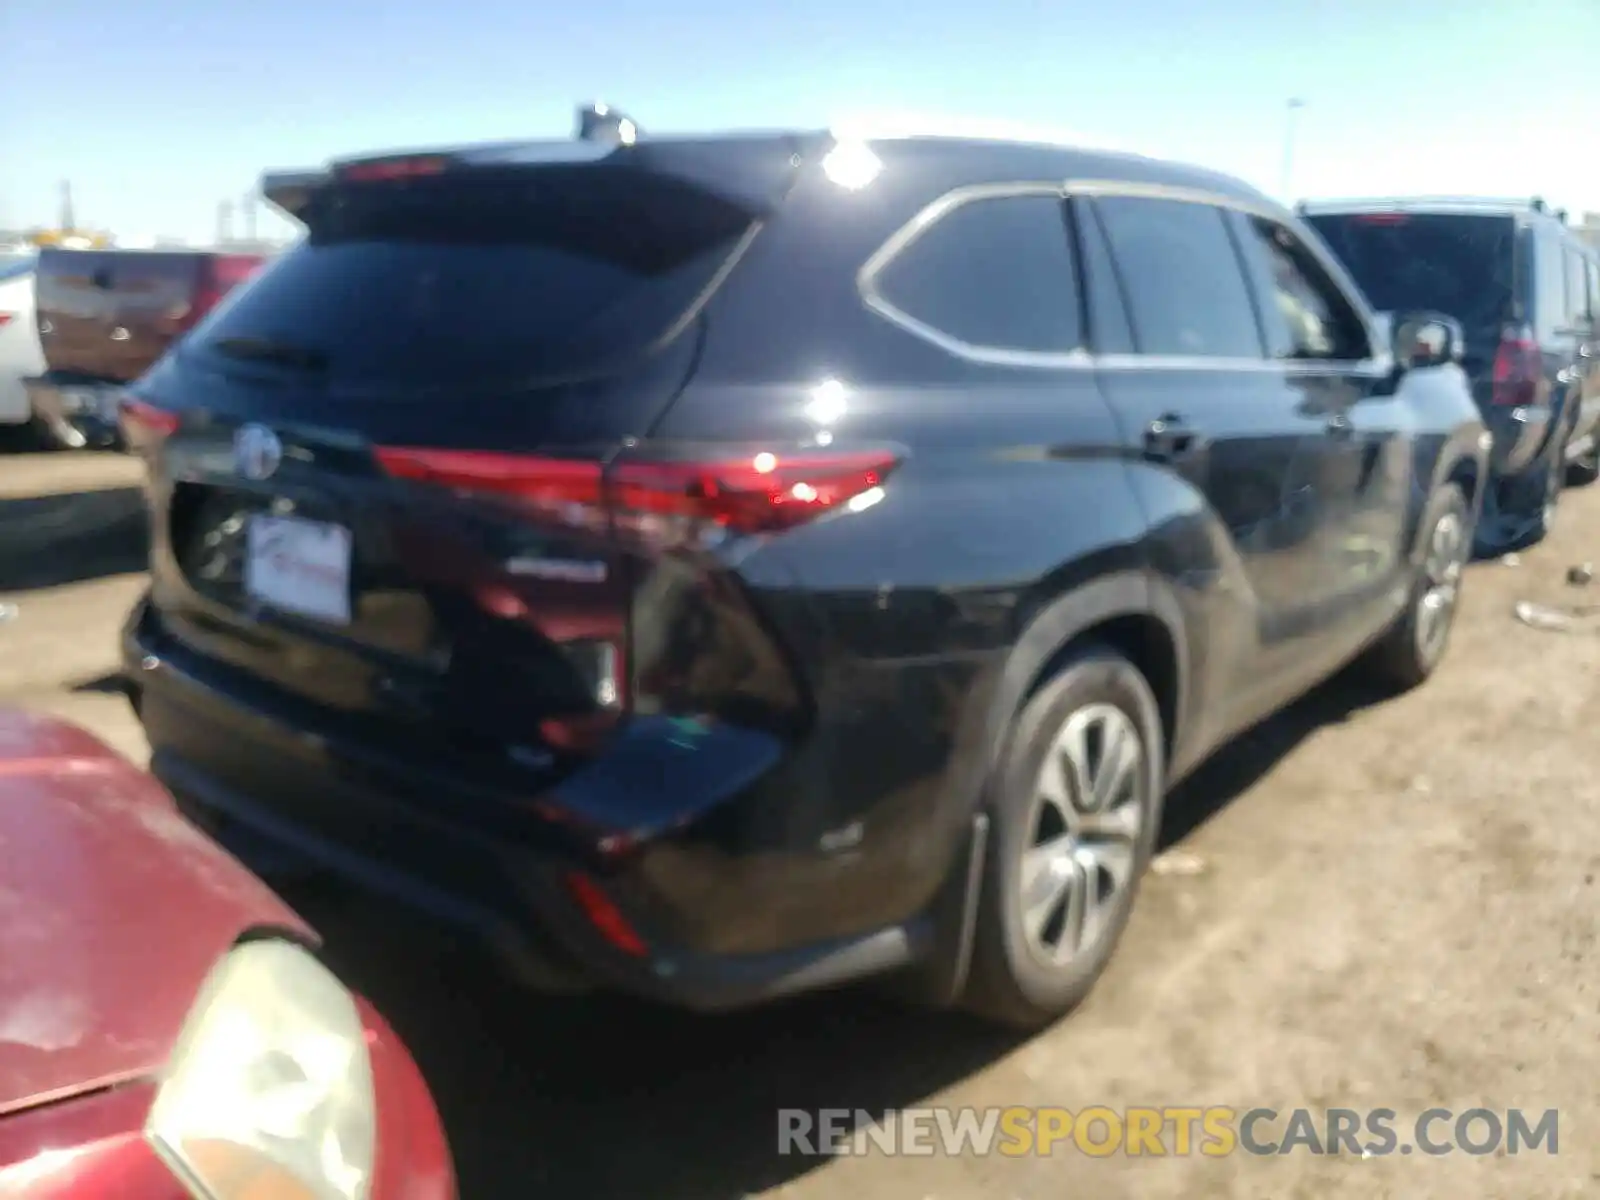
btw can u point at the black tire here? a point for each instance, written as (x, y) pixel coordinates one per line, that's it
(1008, 982)
(1584, 470)
(1404, 658)
(1554, 483)
(50, 435)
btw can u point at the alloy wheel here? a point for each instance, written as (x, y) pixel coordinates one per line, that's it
(1088, 817)
(1441, 571)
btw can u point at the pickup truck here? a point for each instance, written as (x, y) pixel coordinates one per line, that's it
(105, 317)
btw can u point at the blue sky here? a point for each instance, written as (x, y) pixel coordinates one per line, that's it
(158, 109)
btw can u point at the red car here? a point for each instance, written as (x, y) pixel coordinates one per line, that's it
(166, 1030)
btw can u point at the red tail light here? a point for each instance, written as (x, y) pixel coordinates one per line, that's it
(1518, 367)
(144, 424)
(5, 319)
(760, 494)
(384, 170)
(1380, 218)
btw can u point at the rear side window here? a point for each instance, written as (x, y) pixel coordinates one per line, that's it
(495, 279)
(993, 274)
(1182, 278)
(1462, 265)
(1577, 289)
(1549, 283)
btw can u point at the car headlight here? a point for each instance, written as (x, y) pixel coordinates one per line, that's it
(269, 1092)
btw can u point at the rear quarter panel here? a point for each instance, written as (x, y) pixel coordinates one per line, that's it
(905, 620)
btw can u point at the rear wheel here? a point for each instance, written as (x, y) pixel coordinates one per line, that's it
(1415, 644)
(1585, 469)
(1554, 480)
(58, 435)
(1075, 814)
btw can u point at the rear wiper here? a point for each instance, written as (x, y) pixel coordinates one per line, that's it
(262, 349)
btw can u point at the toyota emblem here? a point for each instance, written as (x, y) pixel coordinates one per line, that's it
(256, 451)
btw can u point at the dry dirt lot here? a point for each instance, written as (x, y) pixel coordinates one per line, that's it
(1394, 906)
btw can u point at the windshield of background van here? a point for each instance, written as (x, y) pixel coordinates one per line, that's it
(1460, 265)
(483, 281)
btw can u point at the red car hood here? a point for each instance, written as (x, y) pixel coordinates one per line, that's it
(112, 910)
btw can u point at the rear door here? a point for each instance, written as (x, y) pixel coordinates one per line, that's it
(109, 314)
(1314, 330)
(1201, 400)
(385, 501)
(1584, 367)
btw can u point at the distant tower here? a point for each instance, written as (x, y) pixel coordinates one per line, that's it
(68, 220)
(248, 208)
(225, 221)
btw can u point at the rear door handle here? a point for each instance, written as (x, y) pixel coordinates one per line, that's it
(1168, 439)
(1339, 426)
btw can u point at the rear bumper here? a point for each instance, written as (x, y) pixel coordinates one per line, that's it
(284, 800)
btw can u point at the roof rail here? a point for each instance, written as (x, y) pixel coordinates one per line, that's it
(1500, 202)
(600, 122)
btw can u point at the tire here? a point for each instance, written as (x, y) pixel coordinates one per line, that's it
(54, 435)
(1545, 521)
(1413, 647)
(1012, 978)
(1583, 471)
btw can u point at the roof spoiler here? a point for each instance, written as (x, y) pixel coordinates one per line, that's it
(290, 192)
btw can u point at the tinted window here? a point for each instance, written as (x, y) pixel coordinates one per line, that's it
(1182, 277)
(497, 280)
(1549, 282)
(1108, 314)
(1577, 288)
(16, 267)
(1594, 289)
(1462, 265)
(992, 273)
(1305, 314)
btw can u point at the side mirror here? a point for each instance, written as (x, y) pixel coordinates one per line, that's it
(1427, 339)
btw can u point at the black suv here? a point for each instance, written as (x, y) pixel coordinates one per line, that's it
(720, 567)
(1526, 290)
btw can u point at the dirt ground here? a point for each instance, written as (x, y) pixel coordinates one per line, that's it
(1382, 904)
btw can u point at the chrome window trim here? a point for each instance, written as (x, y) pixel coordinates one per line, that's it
(1081, 359)
(1380, 363)
(904, 237)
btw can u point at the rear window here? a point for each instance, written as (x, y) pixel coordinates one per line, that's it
(1462, 265)
(496, 279)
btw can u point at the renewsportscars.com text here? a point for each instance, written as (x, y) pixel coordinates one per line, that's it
(1212, 1132)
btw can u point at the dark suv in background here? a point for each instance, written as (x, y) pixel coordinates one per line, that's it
(723, 566)
(1526, 290)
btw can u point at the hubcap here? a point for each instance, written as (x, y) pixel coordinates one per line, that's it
(1442, 574)
(1088, 816)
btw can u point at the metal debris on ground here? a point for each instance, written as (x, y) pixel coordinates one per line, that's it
(1559, 620)
(9, 612)
(1178, 862)
(1580, 574)
(1511, 560)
